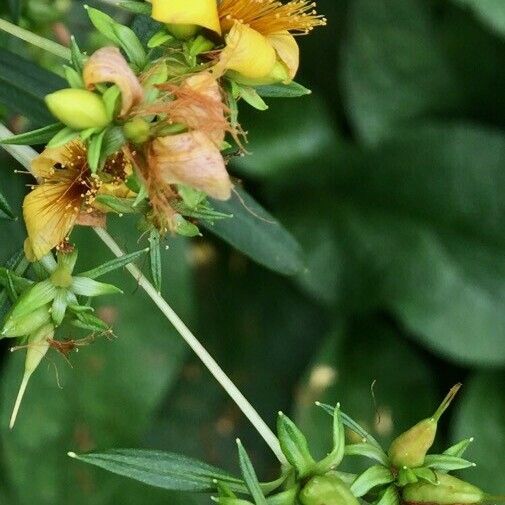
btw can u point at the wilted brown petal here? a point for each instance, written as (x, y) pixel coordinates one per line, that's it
(192, 159)
(108, 65)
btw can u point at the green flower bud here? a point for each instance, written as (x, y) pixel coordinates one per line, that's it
(78, 109)
(137, 130)
(38, 345)
(327, 490)
(448, 491)
(410, 448)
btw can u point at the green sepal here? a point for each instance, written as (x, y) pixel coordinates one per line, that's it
(446, 463)
(77, 57)
(390, 496)
(64, 136)
(291, 90)
(95, 144)
(36, 296)
(118, 205)
(8, 276)
(374, 476)
(59, 306)
(89, 322)
(459, 449)
(159, 38)
(185, 228)
(294, 445)
(368, 451)
(112, 100)
(406, 476)
(27, 324)
(73, 78)
(155, 258)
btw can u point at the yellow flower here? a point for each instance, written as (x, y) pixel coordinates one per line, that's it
(260, 34)
(66, 193)
(187, 12)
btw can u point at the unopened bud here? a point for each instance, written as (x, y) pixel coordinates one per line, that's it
(327, 489)
(411, 447)
(137, 130)
(448, 491)
(278, 74)
(78, 109)
(182, 32)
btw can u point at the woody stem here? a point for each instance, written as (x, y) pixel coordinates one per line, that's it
(25, 155)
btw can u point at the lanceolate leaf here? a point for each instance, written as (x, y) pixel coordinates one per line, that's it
(255, 233)
(114, 264)
(293, 90)
(23, 86)
(34, 137)
(446, 463)
(5, 208)
(161, 469)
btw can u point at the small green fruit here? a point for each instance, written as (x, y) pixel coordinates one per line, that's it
(78, 109)
(411, 447)
(137, 130)
(327, 490)
(448, 491)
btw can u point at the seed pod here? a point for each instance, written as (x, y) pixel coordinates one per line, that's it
(327, 490)
(78, 109)
(38, 345)
(137, 130)
(448, 491)
(410, 448)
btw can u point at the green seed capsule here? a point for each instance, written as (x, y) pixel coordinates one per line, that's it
(20, 327)
(137, 130)
(327, 490)
(410, 448)
(78, 109)
(448, 491)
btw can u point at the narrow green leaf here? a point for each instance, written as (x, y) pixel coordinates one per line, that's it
(252, 97)
(90, 322)
(335, 457)
(250, 476)
(5, 208)
(374, 476)
(161, 469)
(73, 78)
(85, 286)
(446, 463)
(294, 445)
(20, 283)
(292, 90)
(155, 258)
(118, 205)
(78, 58)
(257, 234)
(34, 137)
(114, 264)
(103, 23)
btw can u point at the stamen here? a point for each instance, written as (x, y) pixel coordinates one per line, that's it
(271, 16)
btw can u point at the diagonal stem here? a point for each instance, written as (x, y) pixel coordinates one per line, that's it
(25, 155)
(34, 39)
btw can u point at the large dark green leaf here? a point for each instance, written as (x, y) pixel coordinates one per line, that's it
(481, 414)
(491, 12)
(23, 86)
(161, 469)
(15, 8)
(394, 71)
(257, 234)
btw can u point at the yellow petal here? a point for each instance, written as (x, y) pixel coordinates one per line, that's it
(43, 165)
(188, 12)
(247, 52)
(49, 217)
(287, 50)
(108, 65)
(191, 159)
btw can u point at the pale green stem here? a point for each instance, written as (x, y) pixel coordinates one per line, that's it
(24, 155)
(34, 39)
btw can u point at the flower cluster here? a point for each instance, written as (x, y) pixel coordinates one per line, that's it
(144, 127)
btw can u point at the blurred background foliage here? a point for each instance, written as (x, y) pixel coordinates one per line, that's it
(391, 175)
